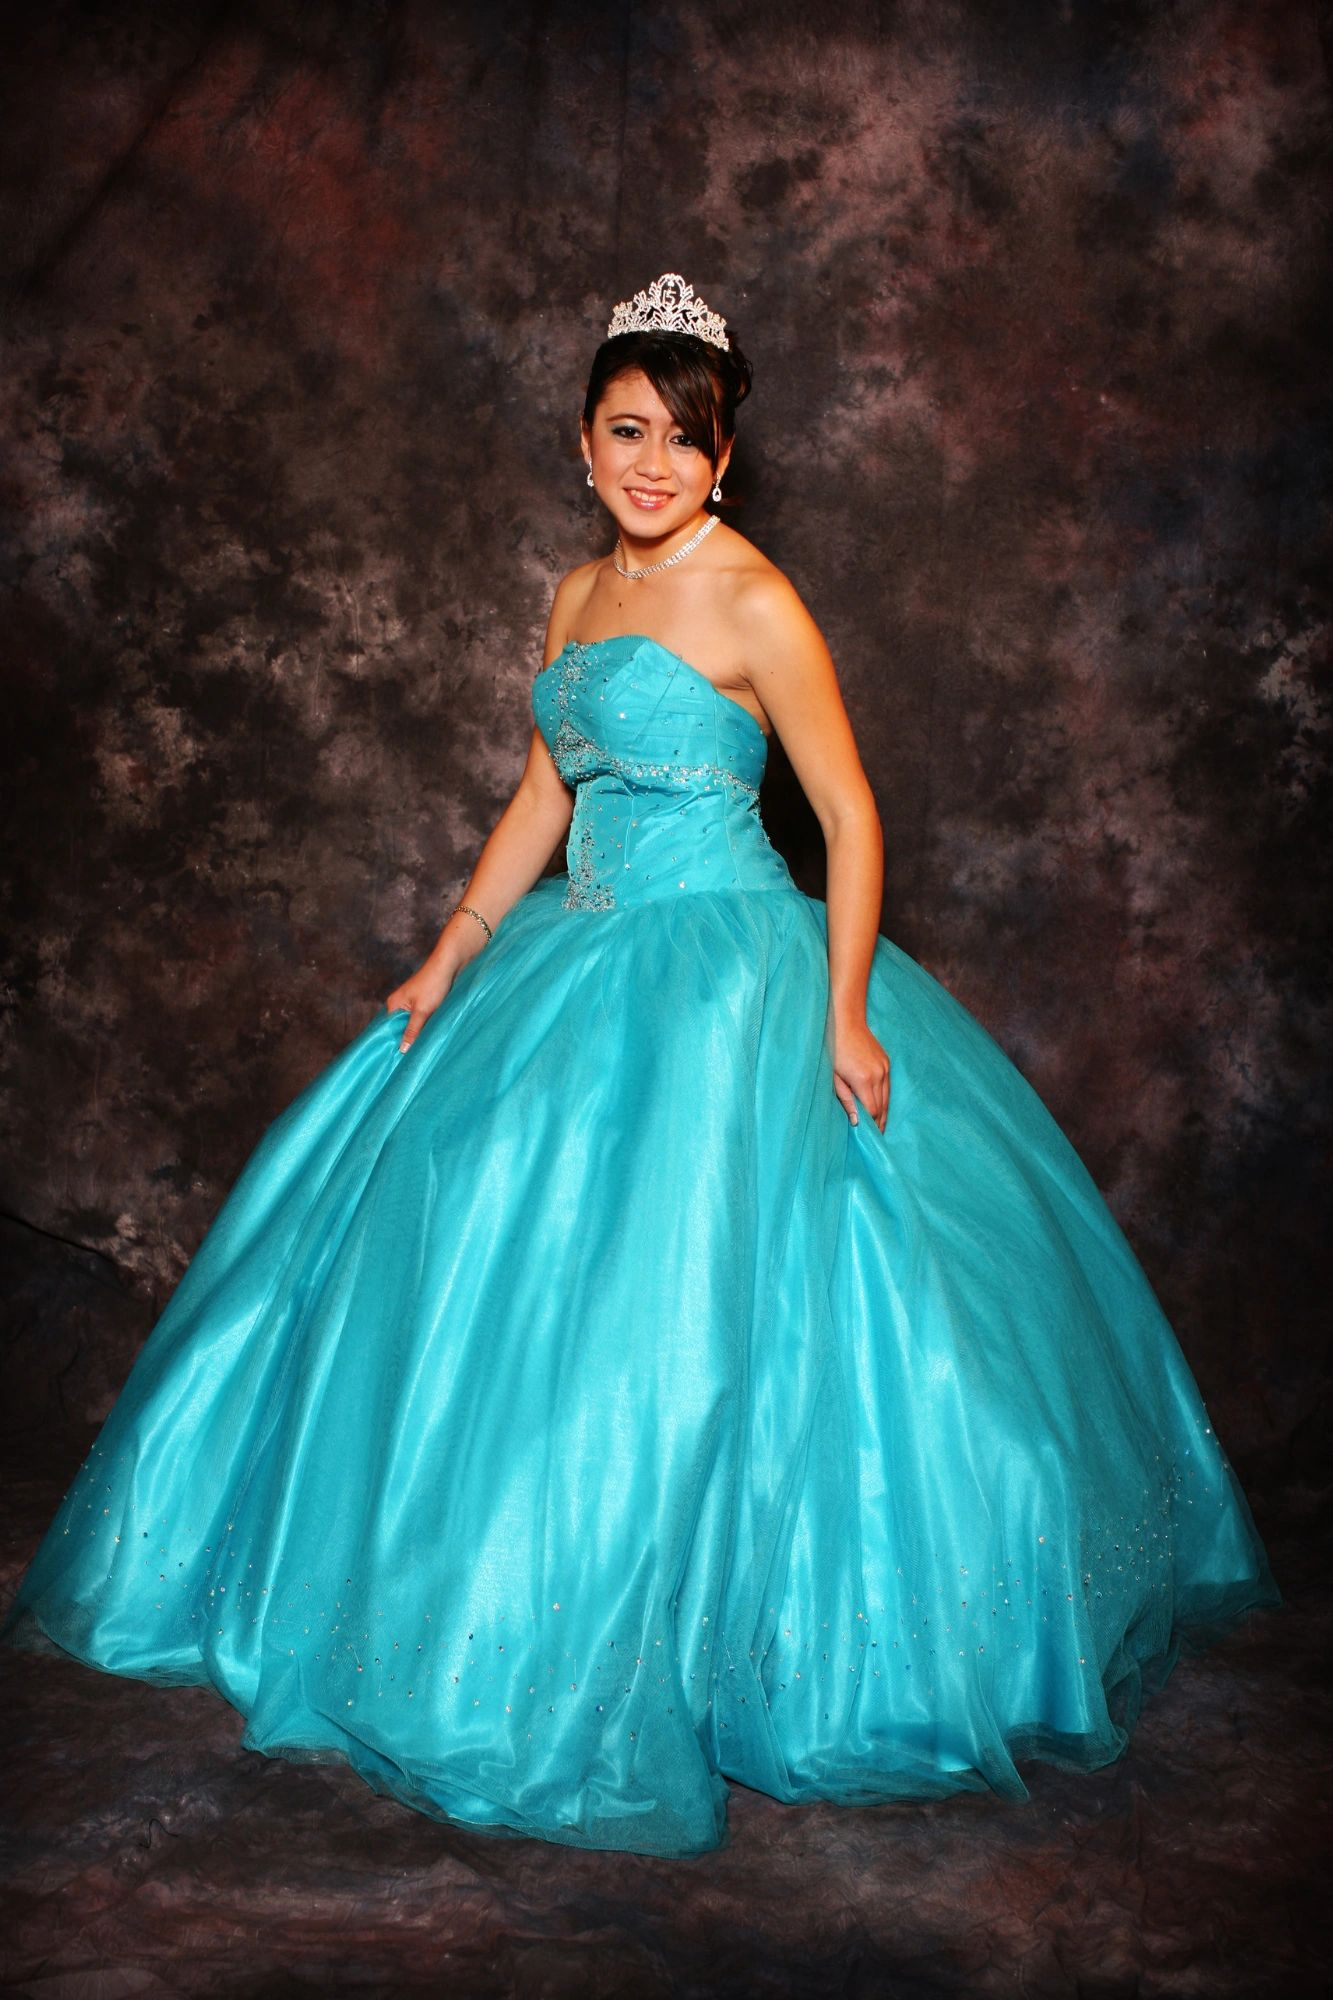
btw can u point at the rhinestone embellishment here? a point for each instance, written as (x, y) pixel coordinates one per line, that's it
(578, 757)
(585, 892)
(669, 305)
(581, 760)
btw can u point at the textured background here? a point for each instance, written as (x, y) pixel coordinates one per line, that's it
(300, 302)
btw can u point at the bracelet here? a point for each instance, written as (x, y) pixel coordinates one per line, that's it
(469, 911)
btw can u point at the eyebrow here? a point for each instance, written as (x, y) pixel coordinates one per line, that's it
(619, 416)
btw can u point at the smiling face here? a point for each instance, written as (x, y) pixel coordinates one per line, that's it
(645, 468)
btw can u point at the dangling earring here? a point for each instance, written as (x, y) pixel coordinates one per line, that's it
(717, 491)
(589, 472)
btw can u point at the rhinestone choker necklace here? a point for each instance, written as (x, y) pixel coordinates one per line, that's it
(666, 561)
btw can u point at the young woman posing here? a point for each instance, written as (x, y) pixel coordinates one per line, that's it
(576, 1404)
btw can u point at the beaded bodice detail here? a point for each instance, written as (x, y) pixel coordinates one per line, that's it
(665, 771)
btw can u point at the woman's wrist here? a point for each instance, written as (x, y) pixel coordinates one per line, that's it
(849, 1010)
(460, 940)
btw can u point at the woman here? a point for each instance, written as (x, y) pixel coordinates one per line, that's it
(576, 1403)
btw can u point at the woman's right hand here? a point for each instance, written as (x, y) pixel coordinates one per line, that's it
(421, 994)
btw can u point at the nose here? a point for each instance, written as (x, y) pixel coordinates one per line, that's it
(649, 459)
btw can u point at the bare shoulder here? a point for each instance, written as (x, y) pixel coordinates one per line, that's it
(789, 667)
(571, 595)
(774, 616)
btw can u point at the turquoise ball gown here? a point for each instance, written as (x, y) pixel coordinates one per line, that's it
(577, 1411)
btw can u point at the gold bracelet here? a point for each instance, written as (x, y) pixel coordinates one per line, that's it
(469, 911)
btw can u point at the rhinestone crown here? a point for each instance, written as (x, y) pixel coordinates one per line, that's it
(669, 305)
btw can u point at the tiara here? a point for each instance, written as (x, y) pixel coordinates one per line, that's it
(668, 306)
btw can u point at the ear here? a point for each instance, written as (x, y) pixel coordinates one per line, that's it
(724, 461)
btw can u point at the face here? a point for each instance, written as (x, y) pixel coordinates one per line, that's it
(644, 468)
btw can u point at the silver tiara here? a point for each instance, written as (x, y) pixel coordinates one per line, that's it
(668, 306)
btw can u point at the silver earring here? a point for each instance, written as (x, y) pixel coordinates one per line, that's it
(590, 475)
(717, 491)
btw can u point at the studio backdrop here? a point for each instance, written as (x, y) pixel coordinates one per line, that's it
(301, 300)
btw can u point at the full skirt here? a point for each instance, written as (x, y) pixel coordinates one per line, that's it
(576, 1411)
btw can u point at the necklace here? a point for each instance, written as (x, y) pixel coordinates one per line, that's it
(666, 561)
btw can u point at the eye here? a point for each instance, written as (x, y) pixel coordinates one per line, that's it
(626, 431)
(688, 443)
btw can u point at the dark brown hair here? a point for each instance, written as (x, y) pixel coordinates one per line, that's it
(700, 384)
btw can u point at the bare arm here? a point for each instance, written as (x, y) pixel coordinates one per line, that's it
(522, 842)
(525, 836)
(792, 672)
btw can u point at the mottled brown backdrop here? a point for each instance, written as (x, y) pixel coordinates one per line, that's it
(300, 299)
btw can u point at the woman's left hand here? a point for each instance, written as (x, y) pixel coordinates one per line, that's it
(860, 1071)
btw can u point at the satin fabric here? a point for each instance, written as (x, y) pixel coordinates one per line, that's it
(577, 1412)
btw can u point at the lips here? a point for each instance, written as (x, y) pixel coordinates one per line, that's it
(642, 496)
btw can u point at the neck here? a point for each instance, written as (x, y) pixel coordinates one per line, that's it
(641, 549)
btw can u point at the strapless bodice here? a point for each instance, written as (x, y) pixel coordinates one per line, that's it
(665, 770)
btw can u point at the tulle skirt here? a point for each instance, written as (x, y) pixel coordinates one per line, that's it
(577, 1412)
